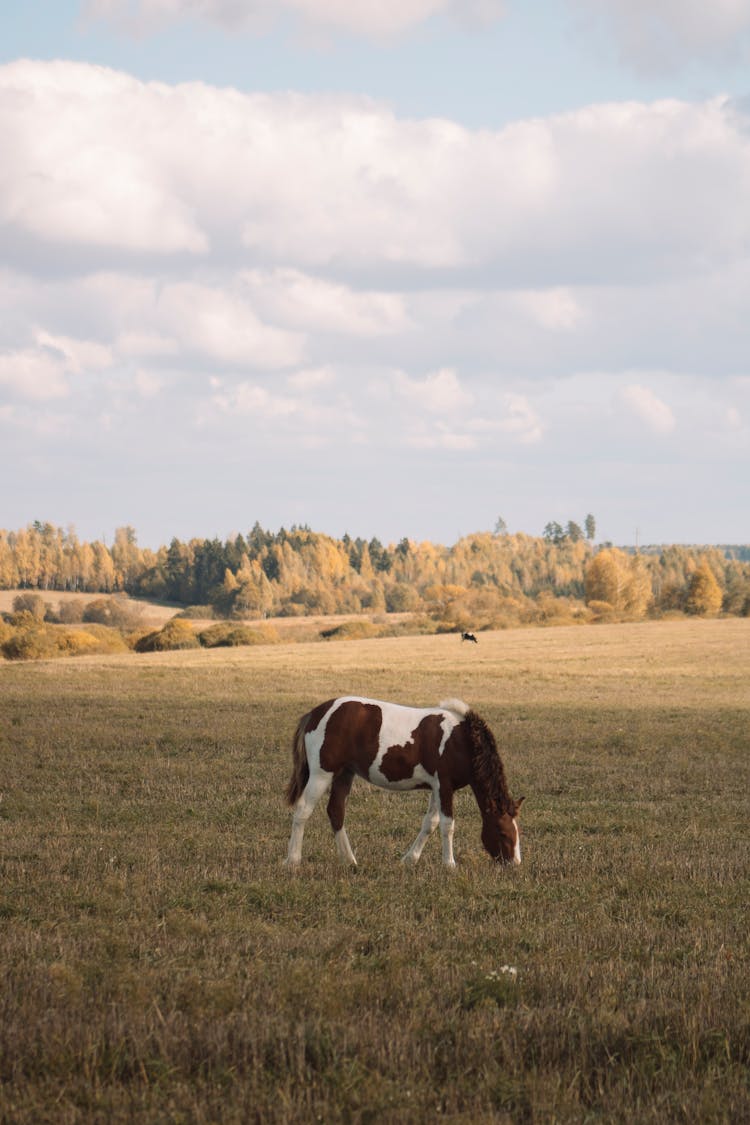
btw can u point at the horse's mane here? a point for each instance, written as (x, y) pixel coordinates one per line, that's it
(488, 768)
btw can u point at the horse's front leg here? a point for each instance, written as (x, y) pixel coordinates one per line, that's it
(446, 824)
(336, 810)
(429, 824)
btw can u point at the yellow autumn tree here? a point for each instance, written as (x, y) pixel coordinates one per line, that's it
(704, 597)
(618, 581)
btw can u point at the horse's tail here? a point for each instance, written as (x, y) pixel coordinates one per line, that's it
(300, 768)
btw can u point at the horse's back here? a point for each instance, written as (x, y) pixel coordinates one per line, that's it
(389, 744)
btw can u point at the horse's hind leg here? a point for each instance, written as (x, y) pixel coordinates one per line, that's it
(336, 809)
(317, 785)
(429, 825)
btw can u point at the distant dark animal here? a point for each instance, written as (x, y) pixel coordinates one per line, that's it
(441, 749)
(469, 637)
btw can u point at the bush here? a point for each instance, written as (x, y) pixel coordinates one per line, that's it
(30, 603)
(602, 611)
(200, 612)
(352, 631)
(105, 639)
(38, 641)
(116, 612)
(401, 598)
(227, 635)
(29, 643)
(176, 634)
(71, 613)
(76, 642)
(560, 611)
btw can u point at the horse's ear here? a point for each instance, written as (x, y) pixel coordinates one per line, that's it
(518, 804)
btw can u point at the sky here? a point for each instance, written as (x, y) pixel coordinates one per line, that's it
(395, 268)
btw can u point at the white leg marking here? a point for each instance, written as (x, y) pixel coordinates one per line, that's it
(517, 848)
(446, 831)
(429, 824)
(344, 848)
(314, 790)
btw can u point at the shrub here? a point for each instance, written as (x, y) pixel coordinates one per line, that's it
(602, 611)
(76, 642)
(105, 639)
(200, 612)
(559, 611)
(225, 634)
(116, 612)
(41, 641)
(352, 631)
(176, 634)
(71, 612)
(30, 603)
(401, 597)
(29, 639)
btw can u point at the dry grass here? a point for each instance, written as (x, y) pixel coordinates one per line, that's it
(158, 963)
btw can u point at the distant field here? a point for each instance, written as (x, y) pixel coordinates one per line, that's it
(158, 963)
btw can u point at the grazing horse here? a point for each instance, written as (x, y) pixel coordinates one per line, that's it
(439, 748)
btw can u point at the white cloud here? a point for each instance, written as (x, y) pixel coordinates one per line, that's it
(135, 343)
(42, 371)
(249, 398)
(658, 35)
(645, 405)
(302, 301)
(309, 417)
(440, 392)
(312, 378)
(438, 435)
(220, 324)
(521, 420)
(379, 19)
(733, 418)
(91, 158)
(76, 355)
(147, 384)
(555, 309)
(309, 189)
(33, 374)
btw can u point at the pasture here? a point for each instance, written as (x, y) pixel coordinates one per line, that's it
(158, 963)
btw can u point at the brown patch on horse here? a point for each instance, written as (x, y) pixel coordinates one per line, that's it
(399, 762)
(337, 800)
(351, 738)
(455, 762)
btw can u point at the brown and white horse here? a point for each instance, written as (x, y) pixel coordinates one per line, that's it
(441, 749)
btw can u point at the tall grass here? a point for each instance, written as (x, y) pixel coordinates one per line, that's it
(158, 963)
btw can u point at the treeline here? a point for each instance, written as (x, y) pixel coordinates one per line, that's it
(484, 578)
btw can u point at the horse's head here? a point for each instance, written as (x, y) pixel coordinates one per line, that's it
(501, 835)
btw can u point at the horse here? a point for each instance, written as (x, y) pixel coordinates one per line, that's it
(394, 747)
(469, 637)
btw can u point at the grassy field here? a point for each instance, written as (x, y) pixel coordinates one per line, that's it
(158, 963)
